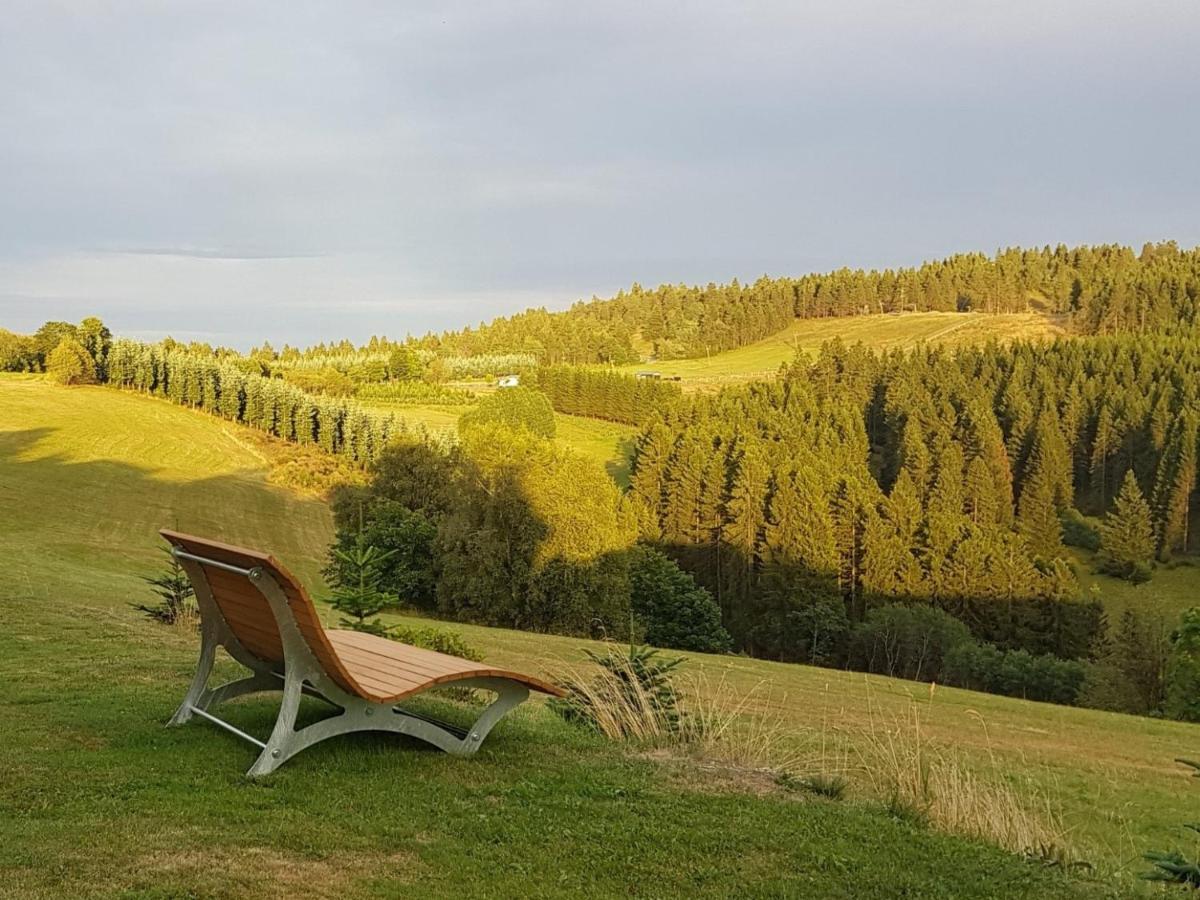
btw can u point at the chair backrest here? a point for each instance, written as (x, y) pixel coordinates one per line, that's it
(248, 613)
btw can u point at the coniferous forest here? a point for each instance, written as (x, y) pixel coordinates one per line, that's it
(863, 479)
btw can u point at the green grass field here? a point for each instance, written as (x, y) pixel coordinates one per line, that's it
(882, 332)
(1173, 589)
(89, 475)
(98, 800)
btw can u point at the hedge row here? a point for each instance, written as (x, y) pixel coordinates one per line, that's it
(268, 404)
(604, 394)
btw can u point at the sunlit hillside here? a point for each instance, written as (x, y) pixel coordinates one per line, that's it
(882, 332)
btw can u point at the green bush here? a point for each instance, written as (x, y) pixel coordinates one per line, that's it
(18, 353)
(906, 641)
(1079, 530)
(448, 642)
(70, 363)
(671, 610)
(516, 407)
(1183, 669)
(1105, 686)
(1014, 673)
(327, 381)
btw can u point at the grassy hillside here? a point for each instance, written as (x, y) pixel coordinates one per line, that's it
(99, 800)
(1173, 589)
(88, 475)
(763, 358)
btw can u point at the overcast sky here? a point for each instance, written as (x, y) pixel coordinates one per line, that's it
(292, 171)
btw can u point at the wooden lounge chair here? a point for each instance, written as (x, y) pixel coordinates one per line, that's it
(261, 615)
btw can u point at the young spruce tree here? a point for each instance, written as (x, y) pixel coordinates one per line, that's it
(356, 574)
(1127, 535)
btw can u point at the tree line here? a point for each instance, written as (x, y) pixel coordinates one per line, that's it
(271, 405)
(506, 528)
(31, 353)
(604, 394)
(1105, 289)
(1101, 290)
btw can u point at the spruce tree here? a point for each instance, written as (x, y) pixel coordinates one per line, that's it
(1175, 483)
(1127, 535)
(1037, 516)
(356, 594)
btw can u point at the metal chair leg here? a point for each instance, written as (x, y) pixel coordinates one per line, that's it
(208, 651)
(362, 715)
(279, 746)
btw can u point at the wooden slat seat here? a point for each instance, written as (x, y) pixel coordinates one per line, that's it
(390, 671)
(251, 605)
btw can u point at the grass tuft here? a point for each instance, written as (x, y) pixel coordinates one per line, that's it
(831, 787)
(923, 782)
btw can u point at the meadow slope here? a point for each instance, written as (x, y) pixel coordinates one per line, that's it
(762, 359)
(86, 478)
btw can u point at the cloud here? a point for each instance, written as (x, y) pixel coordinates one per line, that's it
(451, 158)
(206, 253)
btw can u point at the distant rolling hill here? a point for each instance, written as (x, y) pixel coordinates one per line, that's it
(762, 359)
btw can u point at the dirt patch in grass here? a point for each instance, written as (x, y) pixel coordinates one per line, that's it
(714, 777)
(267, 872)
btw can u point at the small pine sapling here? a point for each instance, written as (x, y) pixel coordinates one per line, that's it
(356, 593)
(637, 679)
(174, 589)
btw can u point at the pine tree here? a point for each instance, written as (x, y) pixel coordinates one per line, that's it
(175, 593)
(1174, 485)
(357, 573)
(745, 515)
(1037, 517)
(851, 513)
(648, 471)
(1103, 444)
(1127, 535)
(799, 532)
(982, 503)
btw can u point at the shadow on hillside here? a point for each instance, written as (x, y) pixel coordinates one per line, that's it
(107, 513)
(618, 469)
(767, 606)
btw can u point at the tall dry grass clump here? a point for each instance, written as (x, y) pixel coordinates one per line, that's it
(626, 696)
(739, 728)
(916, 777)
(638, 697)
(633, 694)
